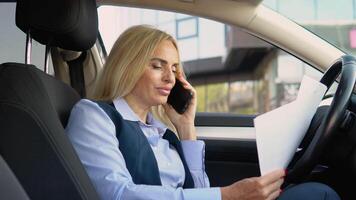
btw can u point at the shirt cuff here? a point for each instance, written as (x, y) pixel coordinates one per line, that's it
(212, 193)
(194, 153)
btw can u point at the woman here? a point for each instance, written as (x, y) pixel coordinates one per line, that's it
(124, 136)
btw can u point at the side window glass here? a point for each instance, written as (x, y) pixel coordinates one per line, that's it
(232, 71)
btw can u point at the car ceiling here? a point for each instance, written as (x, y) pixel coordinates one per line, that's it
(242, 12)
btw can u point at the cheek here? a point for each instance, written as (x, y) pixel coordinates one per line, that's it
(149, 81)
(146, 85)
(152, 79)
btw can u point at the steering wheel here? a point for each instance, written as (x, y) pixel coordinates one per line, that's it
(346, 66)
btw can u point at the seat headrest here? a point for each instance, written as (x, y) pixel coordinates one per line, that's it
(68, 24)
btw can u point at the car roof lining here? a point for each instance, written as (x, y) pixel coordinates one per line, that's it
(204, 8)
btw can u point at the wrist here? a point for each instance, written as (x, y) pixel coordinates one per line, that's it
(187, 133)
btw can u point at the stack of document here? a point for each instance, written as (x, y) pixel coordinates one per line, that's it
(280, 131)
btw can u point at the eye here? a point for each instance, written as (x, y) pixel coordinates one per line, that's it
(156, 66)
(174, 69)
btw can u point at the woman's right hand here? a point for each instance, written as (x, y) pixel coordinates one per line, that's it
(266, 187)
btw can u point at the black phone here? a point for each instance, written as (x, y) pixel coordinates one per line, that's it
(179, 98)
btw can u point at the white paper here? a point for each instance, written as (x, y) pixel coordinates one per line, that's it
(280, 131)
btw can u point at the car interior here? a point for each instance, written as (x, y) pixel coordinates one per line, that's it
(35, 106)
(37, 161)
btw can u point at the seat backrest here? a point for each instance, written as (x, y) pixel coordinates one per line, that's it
(10, 188)
(34, 106)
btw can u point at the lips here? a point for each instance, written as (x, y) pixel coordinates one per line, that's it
(164, 90)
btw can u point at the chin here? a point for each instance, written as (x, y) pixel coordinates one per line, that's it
(157, 99)
(161, 100)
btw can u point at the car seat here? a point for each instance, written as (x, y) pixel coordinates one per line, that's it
(34, 106)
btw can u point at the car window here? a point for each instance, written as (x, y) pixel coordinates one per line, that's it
(332, 20)
(13, 40)
(232, 71)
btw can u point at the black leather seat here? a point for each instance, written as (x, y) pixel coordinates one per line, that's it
(10, 188)
(34, 107)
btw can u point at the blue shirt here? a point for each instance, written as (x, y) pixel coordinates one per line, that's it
(93, 136)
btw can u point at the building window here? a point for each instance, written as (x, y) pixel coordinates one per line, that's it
(187, 28)
(352, 36)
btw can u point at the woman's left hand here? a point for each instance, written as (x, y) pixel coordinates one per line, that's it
(184, 122)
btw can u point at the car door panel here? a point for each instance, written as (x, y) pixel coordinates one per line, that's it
(231, 152)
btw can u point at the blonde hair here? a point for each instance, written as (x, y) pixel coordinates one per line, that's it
(126, 64)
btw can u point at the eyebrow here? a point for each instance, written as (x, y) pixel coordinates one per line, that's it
(162, 61)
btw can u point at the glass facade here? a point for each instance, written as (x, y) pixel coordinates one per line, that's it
(114, 20)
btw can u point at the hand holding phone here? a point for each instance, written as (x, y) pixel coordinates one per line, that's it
(179, 98)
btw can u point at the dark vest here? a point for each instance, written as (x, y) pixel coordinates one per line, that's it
(137, 152)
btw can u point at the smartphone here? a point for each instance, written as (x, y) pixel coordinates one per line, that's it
(179, 98)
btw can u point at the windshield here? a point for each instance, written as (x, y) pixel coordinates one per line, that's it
(332, 20)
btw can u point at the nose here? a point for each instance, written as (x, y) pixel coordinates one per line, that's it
(168, 76)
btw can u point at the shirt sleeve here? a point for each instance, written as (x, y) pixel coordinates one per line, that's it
(93, 136)
(194, 153)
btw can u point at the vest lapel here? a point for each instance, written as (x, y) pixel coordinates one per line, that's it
(174, 141)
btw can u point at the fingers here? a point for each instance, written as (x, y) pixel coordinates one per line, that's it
(187, 86)
(268, 186)
(271, 183)
(272, 177)
(274, 195)
(274, 188)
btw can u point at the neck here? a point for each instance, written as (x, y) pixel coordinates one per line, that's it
(139, 108)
